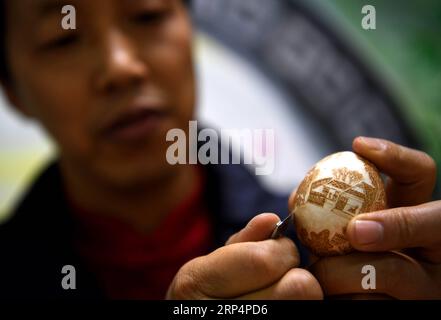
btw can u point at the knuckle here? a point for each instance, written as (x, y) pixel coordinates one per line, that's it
(392, 149)
(273, 257)
(303, 285)
(292, 253)
(287, 255)
(404, 220)
(231, 239)
(261, 257)
(426, 168)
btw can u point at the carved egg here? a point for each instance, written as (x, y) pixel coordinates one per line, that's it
(335, 190)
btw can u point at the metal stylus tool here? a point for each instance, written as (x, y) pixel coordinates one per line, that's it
(281, 227)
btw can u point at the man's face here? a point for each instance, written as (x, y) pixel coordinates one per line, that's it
(108, 91)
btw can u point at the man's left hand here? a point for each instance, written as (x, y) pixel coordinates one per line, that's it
(402, 243)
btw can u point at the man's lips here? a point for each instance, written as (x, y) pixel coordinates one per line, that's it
(135, 124)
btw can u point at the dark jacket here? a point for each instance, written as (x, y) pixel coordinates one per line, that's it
(37, 241)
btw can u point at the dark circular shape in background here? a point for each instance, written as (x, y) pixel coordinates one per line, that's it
(301, 52)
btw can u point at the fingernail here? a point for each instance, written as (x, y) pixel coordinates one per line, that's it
(368, 232)
(373, 144)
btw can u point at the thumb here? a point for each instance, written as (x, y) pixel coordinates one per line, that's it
(399, 228)
(258, 229)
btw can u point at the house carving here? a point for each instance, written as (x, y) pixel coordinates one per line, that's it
(342, 198)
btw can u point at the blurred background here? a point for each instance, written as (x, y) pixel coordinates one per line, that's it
(306, 69)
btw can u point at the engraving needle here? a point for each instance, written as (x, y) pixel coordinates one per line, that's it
(281, 227)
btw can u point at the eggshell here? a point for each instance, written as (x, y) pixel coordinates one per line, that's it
(336, 189)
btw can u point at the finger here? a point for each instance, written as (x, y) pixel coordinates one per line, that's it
(296, 284)
(259, 228)
(399, 228)
(236, 269)
(389, 274)
(412, 172)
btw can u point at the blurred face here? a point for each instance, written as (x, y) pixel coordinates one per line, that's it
(108, 91)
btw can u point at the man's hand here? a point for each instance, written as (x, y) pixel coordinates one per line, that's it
(248, 267)
(412, 227)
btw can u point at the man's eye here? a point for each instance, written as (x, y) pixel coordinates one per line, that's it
(61, 42)
(151, 17)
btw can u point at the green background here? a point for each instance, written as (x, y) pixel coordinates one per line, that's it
(405, 49)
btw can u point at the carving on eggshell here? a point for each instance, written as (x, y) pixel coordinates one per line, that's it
(322, 244)
(326, 201)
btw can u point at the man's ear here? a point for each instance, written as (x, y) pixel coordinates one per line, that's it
(14, 101)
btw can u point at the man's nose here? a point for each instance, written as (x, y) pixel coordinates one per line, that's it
(120, 64)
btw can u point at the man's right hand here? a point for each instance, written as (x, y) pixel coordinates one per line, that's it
(249, 266)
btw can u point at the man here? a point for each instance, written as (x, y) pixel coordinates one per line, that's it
(134, 226)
